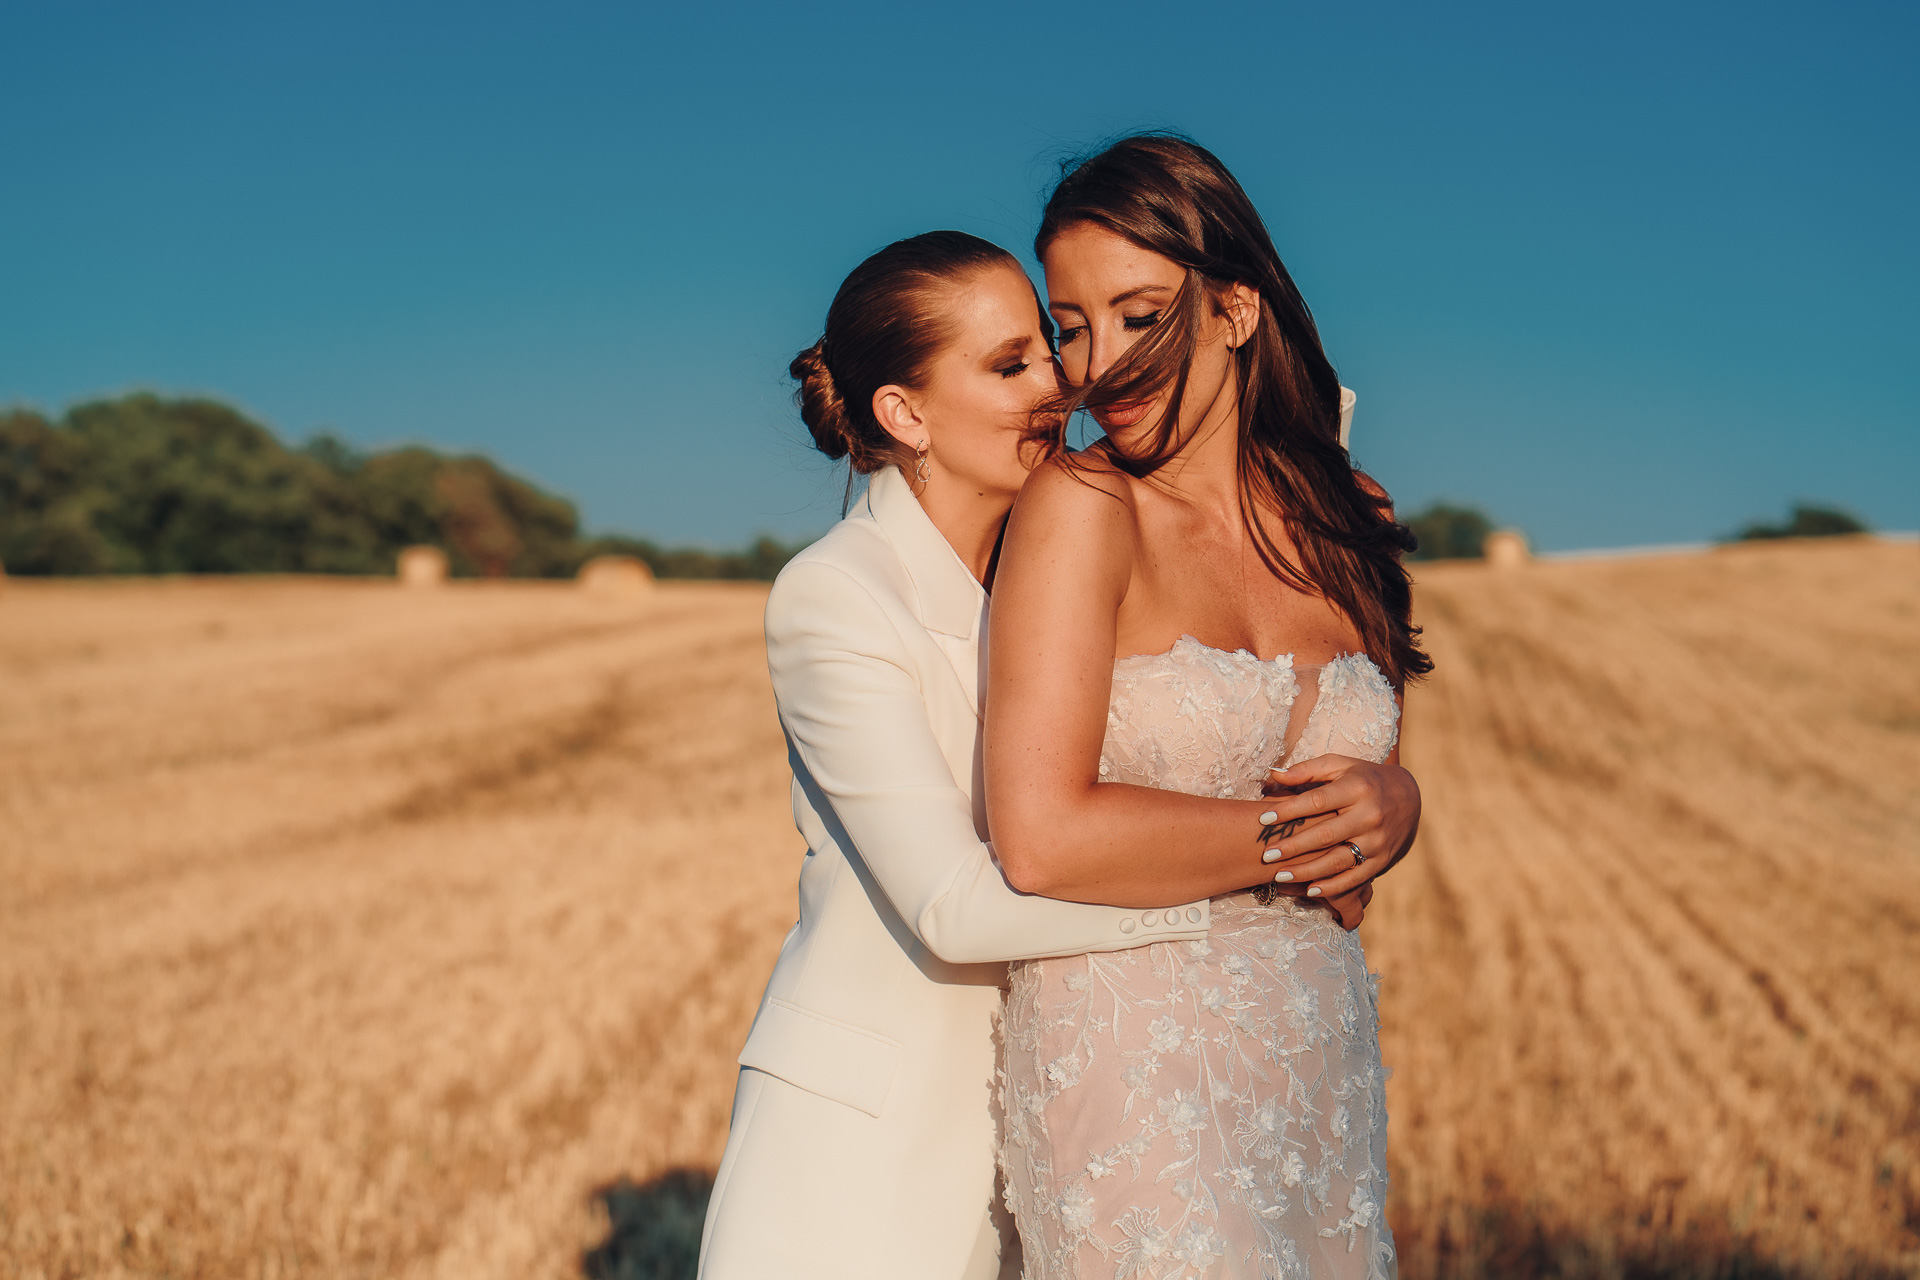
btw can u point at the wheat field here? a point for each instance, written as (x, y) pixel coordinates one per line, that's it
(350, 931)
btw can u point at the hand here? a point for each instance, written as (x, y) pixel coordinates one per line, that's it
(1346, 908)
(1337, 799)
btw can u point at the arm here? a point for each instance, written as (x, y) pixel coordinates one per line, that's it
(1060, 831)
(856, 716)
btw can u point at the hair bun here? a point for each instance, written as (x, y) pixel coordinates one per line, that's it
(819, 399)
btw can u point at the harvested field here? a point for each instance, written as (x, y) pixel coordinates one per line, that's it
(352, 931)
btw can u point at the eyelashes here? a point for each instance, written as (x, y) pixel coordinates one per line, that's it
(1133, 324)
(1013, 370)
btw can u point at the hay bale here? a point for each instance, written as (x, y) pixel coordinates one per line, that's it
(1506, 549)
(615, 576)
(422, 567)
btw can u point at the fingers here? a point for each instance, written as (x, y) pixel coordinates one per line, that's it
(1319, 769)
(1348, 909)
(1360, 790)
(1331, 832)
(1347, 880)
(1321, 864)
(1320, 798)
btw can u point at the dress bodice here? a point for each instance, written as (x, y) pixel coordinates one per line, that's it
(1212, 723)
(1213, 1108)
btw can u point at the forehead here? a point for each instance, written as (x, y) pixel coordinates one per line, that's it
(985, 311)
(999, 298)
(1093, 258)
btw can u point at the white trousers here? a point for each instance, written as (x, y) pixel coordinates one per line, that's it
(784, 1208)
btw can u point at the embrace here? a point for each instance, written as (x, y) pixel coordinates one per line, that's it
(1075, 989)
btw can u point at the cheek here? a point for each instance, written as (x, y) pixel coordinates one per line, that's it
(1210, 368)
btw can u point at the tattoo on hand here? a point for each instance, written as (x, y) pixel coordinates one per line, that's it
(1272, 831)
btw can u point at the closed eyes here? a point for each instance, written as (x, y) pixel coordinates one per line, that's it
(1133, 324)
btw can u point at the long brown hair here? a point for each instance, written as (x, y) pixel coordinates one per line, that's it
(1172, 197)
(889, 319)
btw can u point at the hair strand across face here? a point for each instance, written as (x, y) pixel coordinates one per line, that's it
(1172, 197)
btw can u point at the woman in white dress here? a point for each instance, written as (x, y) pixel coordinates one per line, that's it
(863, 1140)
(1208, 591)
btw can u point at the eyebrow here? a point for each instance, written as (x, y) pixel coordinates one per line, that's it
(1006, 350)
(1117, 298)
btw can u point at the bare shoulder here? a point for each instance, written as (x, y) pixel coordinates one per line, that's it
(1076, 514)
(1080, 487)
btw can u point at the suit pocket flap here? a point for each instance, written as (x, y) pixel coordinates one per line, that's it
(822, 1056)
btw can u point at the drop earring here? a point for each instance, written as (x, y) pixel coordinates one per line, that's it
(920, 469)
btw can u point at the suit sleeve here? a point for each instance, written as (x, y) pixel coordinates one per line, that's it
(856, 716)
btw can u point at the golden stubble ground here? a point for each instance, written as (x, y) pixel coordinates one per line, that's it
(352, 931)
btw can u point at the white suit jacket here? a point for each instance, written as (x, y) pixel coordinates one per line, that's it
(883, 999)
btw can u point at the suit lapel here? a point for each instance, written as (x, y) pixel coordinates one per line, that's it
(948, 600)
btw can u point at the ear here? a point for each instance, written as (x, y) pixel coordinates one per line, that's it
(1241, 306)
(896, 409)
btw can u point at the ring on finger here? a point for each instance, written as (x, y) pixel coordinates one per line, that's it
(1358, 855)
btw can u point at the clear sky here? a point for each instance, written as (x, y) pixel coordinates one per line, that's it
(1618, 273)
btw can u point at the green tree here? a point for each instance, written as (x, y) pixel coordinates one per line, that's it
(1448, 532)
(192, 486)
(148, 485)
(46, 516)
(1807, 521)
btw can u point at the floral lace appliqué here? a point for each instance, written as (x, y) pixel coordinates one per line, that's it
(1213, 1108)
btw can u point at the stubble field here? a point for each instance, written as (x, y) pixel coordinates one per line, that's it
(350, 931)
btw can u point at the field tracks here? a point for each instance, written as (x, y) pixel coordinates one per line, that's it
(353, 932)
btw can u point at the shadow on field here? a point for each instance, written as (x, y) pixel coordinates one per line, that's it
(655, 1231)
(656, 1225)
(1510, 1243)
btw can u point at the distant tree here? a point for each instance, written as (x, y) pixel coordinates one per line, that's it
(335, 454)
(767, 557)
(761, 562)
(143, 485)
(149, 485)
(1807, 521)
(1448, 532)
(46, 505)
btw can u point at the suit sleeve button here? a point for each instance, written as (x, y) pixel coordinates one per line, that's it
(1126, 925)
(1150, 918)
(1193, 914)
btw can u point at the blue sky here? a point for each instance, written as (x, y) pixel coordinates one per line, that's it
(1619, 274)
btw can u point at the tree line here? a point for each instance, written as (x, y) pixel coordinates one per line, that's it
(1448, 531)
(144, 484)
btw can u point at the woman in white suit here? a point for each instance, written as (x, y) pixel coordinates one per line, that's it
(863, 1137)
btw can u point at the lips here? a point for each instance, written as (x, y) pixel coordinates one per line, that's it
(1121, 415)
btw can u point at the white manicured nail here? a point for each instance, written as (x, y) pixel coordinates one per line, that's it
(1270, 816)
(1271, 855)
(1314, 892)
(1281, 877)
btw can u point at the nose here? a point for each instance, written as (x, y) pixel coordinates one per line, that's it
(1102, 351)
(1099, 355)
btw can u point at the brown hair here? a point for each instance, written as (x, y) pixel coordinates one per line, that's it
(886, 324)
(1172, 197)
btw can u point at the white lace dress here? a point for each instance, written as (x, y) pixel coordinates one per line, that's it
(1212, 1108)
